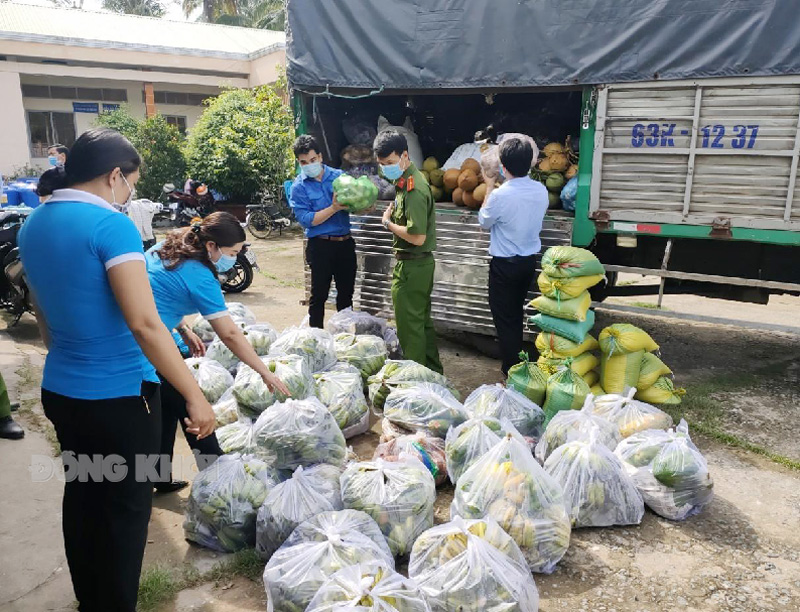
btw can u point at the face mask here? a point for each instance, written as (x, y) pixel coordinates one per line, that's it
(392, 172)
(124, 206)
(225, 262)
(311, 170)
(53, 160)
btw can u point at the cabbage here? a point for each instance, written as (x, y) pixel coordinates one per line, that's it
(357, 194)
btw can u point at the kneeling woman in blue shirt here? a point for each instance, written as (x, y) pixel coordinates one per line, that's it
(183, 275)
(85, 267)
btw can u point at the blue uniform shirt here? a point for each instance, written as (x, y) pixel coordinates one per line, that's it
(67, 247)
(309, 196)
(514, 213)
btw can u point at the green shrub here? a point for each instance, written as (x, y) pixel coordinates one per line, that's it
(241, 145)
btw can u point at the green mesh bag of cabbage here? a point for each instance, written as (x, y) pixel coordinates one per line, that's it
(357, 194)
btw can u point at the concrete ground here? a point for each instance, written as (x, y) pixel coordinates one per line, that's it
(742, 553)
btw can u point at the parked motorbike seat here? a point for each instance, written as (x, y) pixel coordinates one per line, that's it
(13, 254)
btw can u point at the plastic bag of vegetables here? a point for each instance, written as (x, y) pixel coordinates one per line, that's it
(470, 441)
(203, 329)
(357, 194)
(212, 378)
(317, 549)
(399, 495)
(508, 485)
(368, 587)
(395, 373)
(424, 407)
(629, 415)
(472, 566)
(343, 367)
(299, 433)
(669, 471)
(566, 390)
(343, 394)
(390, 431)
(367, 353)
(428, 450)
(504, 403)
(528, 379)
(597, 489)
(306, 494)
(260, 336)
(241, 314)
(356, 323)
(253, 394)
(570, 425)
(314, 345)
(226, 410)
(392, 343)
(224, 500)
(236, 437)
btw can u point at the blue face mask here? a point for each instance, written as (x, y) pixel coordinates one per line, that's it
(224, 263)
(392, 172)
(53, 160)
(311, 170)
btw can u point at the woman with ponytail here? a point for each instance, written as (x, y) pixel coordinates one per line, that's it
(86, 271)
(183, 274)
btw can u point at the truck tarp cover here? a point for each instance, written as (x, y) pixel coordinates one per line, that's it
(423, 44)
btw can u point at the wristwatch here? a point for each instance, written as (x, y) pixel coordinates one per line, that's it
(386, 224)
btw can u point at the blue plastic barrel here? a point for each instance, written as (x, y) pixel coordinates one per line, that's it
(27, 194)
(12, 193)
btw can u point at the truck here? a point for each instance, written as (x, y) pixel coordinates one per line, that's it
(685, 116)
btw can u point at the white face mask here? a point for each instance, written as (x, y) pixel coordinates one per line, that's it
(131, 193)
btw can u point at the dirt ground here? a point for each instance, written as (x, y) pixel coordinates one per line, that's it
(741, 554)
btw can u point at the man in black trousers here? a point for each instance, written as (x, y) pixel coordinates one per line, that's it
(331, 250)
(513, 213)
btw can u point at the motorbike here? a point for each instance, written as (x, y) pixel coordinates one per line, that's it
(183, 206)
(15, 296)
(262, 219)
(240, 276)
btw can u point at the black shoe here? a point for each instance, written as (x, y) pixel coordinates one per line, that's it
(171, 486)
(14, 406)
(10, 430)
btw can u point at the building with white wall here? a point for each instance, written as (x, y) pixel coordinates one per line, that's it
(59, 68)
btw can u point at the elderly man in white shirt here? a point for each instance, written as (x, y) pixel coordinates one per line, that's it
(513, 214)
(141, 213)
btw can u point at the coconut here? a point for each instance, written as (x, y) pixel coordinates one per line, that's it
(430, 163)
(451, 178)
(437, 192)
(470, 201)
(554, 201)
(571, 171)
(558, 162)
(458, 197)
(426, 175)
(437, 177)
(480, 193)
(471, 164)
(468, 180)
(555, 182)
(544, 166)
(553, 147)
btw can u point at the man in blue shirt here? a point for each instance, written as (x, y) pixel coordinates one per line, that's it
(331, 250)
(513, 214)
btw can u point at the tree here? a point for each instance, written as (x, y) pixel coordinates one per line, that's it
(262, 14)
(159, 144)
(144, 8)
(241, 145)
(78, 4)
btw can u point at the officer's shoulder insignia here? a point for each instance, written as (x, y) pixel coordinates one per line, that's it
(410, 183)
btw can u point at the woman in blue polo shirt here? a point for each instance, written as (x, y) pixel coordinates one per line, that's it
(183, 274)
(86, 270)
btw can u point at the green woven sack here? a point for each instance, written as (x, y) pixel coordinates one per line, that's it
(576, 309)
(571, 330)
(528, 379)
(568, 261)
(566, 390)
(652, 369)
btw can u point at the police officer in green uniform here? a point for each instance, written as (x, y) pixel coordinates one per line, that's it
(412, 221)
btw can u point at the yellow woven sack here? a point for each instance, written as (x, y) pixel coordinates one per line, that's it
(620, 371)
(652, 369)
(581, 365)
(597, 390)
(625, 338)
(565, 391)
(570, 261)
(662, 392)
(554, 346)
(591, 378)
(574, 309)
(566, 288)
